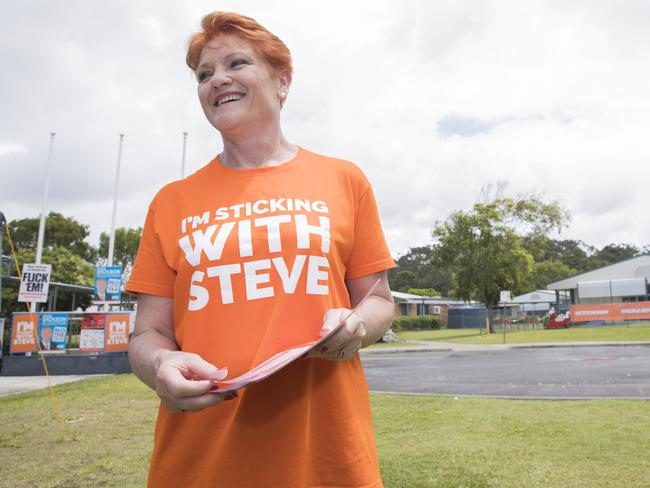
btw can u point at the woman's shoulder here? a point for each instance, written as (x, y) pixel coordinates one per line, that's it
(332, 163)
(173, 191)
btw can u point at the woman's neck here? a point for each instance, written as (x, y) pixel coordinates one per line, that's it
(257, 151)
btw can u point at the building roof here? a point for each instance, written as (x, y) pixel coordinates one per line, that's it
(537, 296)
(636, 267)
(401, 297)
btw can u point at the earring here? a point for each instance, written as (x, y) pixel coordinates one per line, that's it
(283, 94)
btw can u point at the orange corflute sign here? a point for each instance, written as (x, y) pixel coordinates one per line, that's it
(610, 311)
(117, 332)
(24, 332)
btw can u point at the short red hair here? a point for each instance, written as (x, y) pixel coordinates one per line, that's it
(216, 24)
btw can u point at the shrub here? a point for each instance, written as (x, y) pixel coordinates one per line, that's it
(415, 322)
(424, 292)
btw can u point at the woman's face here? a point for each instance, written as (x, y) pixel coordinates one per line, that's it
(238, 90)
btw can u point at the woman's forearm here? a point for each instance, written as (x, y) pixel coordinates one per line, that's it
(145, 352)
(377, 313)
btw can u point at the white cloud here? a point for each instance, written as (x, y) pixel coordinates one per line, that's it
(434, 100)
(7, 148)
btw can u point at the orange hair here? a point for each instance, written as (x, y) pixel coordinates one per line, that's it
(216, 24)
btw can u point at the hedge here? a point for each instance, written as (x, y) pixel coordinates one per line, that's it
(415, 322)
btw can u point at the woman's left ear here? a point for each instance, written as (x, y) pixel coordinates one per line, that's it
(285, 83)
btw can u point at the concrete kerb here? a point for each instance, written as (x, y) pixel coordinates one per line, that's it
(504, 397)
(454, 347)
(13, 385)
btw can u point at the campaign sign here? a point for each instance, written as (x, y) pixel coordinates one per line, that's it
(53, 331)
(91, 338)
(23, 332)
(108, 283)
(35, 283)
(117, 332)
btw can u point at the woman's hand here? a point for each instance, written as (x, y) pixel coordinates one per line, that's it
(346, 341)
(183, 381)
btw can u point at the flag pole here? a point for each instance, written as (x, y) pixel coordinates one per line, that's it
(41, 225)
(183, 157)
(111, 242)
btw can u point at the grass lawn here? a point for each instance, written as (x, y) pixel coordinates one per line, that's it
(422, 441)
(473, 336)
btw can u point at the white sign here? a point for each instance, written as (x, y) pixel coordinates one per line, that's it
(91, 340)
(505, 296)
(35, 283)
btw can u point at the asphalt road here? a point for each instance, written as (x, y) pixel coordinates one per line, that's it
(557, 372)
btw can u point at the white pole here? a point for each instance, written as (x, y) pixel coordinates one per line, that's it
(183, 158)
(111, 242)
(41, 225)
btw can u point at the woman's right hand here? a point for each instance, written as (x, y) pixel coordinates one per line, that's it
(183, 381)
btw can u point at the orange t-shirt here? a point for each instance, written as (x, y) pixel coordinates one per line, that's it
(253, 260)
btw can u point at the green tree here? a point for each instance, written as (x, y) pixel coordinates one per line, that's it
(424, 292)
(60, 231)
(483, 248)
(574, 254)
(415, 270)
(67, 267)
(613, 253)
(401, 280)
(127, 241)
(547, 272)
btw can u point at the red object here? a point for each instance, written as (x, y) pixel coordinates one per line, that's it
(611, 311)
(551, 322)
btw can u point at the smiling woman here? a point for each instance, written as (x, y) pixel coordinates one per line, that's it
(238, 89)
(266, 247)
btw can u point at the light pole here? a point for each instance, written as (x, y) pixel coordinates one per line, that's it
(111, 241)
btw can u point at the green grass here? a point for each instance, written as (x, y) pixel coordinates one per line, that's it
(422, 441)
(469, 442)
(572, 334)
(109, 421)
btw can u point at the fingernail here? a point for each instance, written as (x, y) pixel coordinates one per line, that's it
(323, 350)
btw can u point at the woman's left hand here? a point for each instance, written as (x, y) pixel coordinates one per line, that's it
(347, 341)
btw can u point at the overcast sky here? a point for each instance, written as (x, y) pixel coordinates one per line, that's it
(434, 100)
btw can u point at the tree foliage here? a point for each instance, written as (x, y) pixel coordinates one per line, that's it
(67, 267)
(414, 270)
(547, 272)
(574, 254)
(60, 231)
(126, 245)
(424, 292)
(483, 248)
(613, 253)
